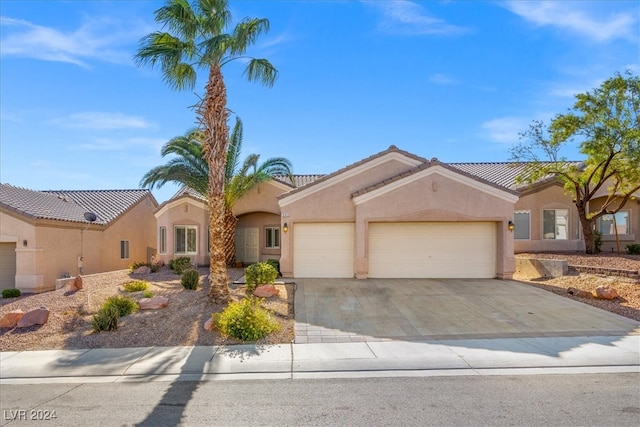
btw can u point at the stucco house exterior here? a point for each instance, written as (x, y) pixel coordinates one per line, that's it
(393, 214)
(44, 235)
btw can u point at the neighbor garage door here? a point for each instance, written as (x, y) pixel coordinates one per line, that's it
(323, 250)
(432, 250)
(7, 265)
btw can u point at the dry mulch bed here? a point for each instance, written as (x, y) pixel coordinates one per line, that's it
(626, 304)
(180, 324)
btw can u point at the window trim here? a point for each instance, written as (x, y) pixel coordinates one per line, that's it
(555, 235)
(124, 249)
(629, 223)
(277, 236)
(528, 212)
(162, 239)
(186, 242)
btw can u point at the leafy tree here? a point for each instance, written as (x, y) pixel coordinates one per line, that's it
(189, 168)
(606, 123)
(193, 37)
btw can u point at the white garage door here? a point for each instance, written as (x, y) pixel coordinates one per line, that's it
(7, 265)
(432, 250)
(323, 250)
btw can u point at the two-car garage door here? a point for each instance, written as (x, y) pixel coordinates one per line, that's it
(398, 250)
(432, 250)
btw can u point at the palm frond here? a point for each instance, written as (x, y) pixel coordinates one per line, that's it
(246, 33)
(261, 70)
(233, 150)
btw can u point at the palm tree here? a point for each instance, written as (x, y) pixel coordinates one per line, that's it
(192, 37)
(189, 168)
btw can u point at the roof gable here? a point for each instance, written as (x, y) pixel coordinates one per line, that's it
(430, 168)
(392, 153)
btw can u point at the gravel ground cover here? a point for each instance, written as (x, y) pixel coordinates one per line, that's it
(180, 324)
(628, 302)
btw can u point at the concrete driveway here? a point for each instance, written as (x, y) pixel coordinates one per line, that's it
(350, 310)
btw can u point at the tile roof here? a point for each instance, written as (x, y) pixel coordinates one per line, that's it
(298, 180)
(503, 174)
(70, 205)
(188, 191)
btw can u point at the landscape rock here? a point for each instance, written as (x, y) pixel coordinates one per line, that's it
(605, 292)
(266, 291)
(153, 303)
(76, 285)
(142, 270)
(39, 316)
(11, 319)
(208, 325)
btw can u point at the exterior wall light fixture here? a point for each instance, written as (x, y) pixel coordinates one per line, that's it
(511, 226)
(285, 228)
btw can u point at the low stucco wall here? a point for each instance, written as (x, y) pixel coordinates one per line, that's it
(532, 267)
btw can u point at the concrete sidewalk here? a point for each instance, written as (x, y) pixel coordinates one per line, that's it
(287, 361)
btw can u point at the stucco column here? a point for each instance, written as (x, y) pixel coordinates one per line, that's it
(506, 265)
(362, 261)
(286, 245)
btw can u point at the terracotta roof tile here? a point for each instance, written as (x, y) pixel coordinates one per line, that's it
(71, 205)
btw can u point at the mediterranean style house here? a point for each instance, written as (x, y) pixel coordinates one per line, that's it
(391, 215)
(48, 235)
(395, 214)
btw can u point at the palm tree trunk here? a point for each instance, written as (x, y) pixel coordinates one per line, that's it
(212, 114)
(230, 222)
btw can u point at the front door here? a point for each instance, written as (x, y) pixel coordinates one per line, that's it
(247, 245)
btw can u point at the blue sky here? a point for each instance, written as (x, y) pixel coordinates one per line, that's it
(457, 80)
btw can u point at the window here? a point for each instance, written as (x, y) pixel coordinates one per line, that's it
(272, 238)
(124, 249)
(522, 220)
(606, 223)
(186, 241)
(555, 224)
(162, 240)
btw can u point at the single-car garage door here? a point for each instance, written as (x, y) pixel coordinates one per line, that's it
(432, 250)
(323, 250)
(7, 265)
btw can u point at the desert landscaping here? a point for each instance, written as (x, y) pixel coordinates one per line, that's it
(182, 322)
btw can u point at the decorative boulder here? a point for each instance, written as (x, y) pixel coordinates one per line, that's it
(76, 285)
(39, 316)
(142, 270)
(208, 325)
(266, 291)
(11, 319)
(605, 292)
(153, 303)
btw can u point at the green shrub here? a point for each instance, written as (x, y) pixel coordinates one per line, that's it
(259, 274)
(275, 264)
(11, 293)
(179, 265)
(597, 241)
(190, 279)
(106, 319)
(124, 305)
(147, 294)
(632, 249)
(245, 320)
(133, 267)
(135, 286)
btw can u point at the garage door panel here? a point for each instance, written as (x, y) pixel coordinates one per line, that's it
(7, 265)
(437, 250)
(323, 250)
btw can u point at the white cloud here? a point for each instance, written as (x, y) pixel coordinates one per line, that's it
(579, 18)
(102, 121)
(102, 40)
(505, 130)
(442, 79)
(410, 18)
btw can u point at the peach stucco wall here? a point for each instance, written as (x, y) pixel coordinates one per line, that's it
(54, 247)
(184, 211)
(416, 201)
(263, 198)
(551, 197)
(261, 220)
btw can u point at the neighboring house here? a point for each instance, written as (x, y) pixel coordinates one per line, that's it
(393, 214)
(44, 235)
